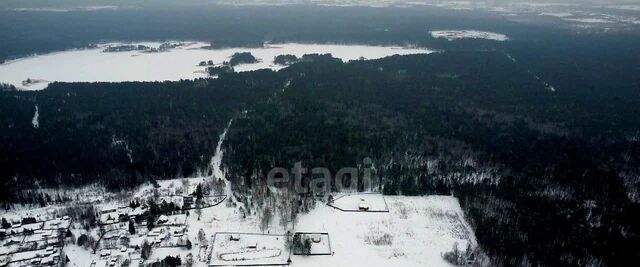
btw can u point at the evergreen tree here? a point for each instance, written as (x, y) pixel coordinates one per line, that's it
(132, 228)
(5, 224)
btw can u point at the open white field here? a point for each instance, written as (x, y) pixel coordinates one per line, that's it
(248, 249)
(414, 233)
(360, 202)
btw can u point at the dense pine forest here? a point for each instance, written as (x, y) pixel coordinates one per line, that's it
(120, 133)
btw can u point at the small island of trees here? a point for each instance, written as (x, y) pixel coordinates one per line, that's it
(241, 58)
(227, 66)
(285, 59)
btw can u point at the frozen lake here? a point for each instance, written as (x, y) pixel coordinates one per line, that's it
(91, 65)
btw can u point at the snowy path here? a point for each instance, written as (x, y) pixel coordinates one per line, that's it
(536, 76)
(216, 160)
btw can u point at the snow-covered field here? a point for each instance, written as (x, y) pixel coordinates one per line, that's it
(469, 34)
(414, 233)
(91, 65)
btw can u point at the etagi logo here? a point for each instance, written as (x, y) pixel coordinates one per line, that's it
(320, 179)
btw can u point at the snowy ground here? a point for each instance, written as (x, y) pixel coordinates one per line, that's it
(414, 233)
(469, 34)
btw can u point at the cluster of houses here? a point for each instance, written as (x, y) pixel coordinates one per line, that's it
(120, 243)
(173, 236)
(107, 258)
(117, 255)
(170, 231)
(29, 242)
(117, 214)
